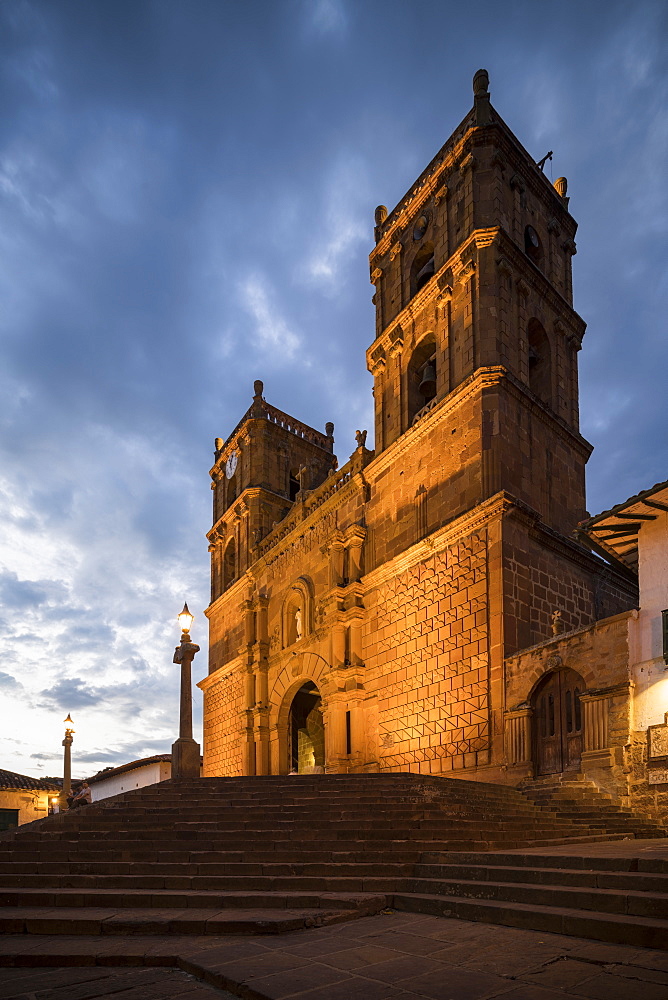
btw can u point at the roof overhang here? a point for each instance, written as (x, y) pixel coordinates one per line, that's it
(613, 534)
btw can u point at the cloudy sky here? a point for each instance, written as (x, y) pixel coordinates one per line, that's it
(186, 204)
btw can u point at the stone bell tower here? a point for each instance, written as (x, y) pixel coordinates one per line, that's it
(472, 271)
(269, 461)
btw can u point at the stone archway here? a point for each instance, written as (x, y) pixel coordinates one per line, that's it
(558, 722)
(306, 732)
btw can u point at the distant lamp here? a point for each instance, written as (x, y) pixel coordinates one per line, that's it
(185, 619)
(67, 764)
(185, 751)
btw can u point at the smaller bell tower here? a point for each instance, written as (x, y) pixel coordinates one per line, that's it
(269, 462)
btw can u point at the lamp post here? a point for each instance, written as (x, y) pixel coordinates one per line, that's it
(185, 751)
(67, 764)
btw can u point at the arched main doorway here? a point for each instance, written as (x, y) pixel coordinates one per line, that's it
(558, 722)
(306, 732)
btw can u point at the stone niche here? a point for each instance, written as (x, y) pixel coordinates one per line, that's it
(657, 753)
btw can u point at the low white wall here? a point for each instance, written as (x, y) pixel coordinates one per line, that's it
(138, 777)
(649, 672)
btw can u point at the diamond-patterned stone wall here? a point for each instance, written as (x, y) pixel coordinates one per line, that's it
(426, 647)
(223, 727)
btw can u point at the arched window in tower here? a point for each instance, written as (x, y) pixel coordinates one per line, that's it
(294, 485)
(229, 564)
(540, 362)
(422, 377)
(532, 246)
(422, 269)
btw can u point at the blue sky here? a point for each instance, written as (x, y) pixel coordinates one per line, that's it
(186, 204)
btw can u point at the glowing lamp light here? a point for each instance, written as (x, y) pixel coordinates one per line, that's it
(69, 724)
(185, 619)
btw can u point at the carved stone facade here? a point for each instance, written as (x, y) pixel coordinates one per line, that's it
(388, 595)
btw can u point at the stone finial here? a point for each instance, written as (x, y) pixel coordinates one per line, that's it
(481, 83)
(561, 186)
(360, 437)
(329, 429)
(379, 215)
(258, 387)
(557, 624)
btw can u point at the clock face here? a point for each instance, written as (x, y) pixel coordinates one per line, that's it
(231, 465)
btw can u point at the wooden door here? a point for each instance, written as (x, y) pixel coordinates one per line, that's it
(558, 722)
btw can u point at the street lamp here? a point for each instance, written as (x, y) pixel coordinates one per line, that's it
(185, 751)
(185, 619)
(67, 764)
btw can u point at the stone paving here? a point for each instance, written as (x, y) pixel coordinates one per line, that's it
(391, 956)
(90, 982)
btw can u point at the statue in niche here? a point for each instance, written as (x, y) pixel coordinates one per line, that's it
(360, 437)
(298, 623)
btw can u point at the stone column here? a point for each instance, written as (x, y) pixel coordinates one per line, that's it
(336, 555)
(518, 737)
(356, 626)
(355, 544)
(249, 623)
(263, 618)
(335, 735)
(595, 722)
(247, 721)
(67, 771)
(185, 751)
(338, 645)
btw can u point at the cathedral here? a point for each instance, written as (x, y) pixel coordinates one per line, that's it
(375, 615)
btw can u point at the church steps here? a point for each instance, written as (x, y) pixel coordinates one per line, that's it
(347, 899)
(578, 799)
(616, 928)
(308, 892)
(150, 855)
(237, 892)
(245, 841)
(576, 878)
(95, 921)
(634, 903)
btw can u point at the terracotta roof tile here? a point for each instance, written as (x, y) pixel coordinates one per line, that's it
(10, 779)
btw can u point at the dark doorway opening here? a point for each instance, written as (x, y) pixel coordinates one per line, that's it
(306, 732)
(9, 818)
(558, 722)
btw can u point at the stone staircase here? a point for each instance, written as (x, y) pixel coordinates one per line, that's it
(270, 854)
(579, 800)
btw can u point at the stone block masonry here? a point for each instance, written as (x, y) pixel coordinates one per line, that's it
(425, 646)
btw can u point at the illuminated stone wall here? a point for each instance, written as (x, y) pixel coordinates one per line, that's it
(223, 725)
(426, 648)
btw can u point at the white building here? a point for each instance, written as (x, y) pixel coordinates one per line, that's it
(136, 774)
(635, 532)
